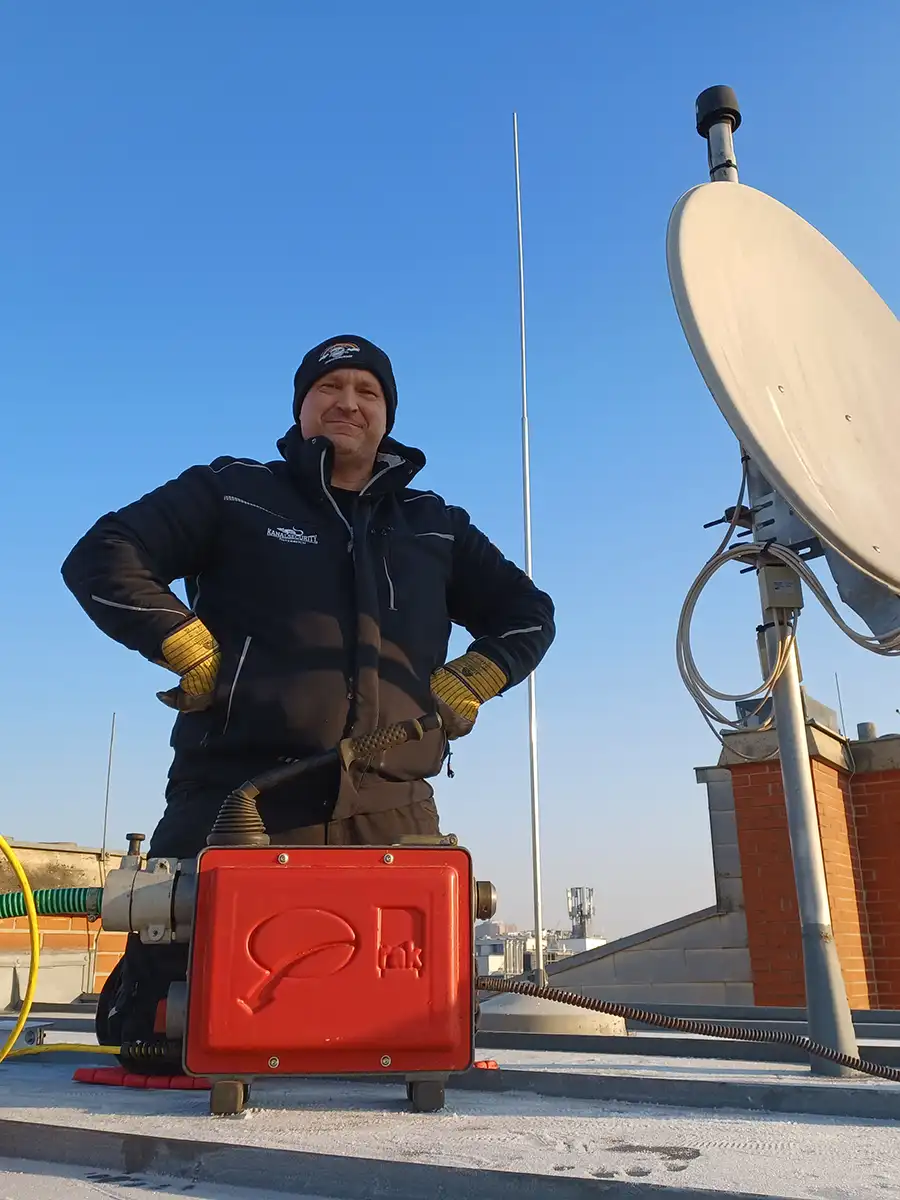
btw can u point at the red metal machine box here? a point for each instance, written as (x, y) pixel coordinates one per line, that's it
(331, 960)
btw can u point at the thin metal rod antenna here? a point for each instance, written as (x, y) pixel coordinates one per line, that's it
(540, 974)
(109, 762)
(92, 953)
(837, 685)
(829, 1020)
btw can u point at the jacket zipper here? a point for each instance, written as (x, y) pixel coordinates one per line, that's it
(234, 682)
(391, 597)
(351, 693)
(333, 502)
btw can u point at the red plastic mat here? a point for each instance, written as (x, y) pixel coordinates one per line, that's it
(119, 1077)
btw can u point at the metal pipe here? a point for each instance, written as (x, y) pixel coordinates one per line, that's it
(540, 974)
(720, 154)
(718, 117)
(828, 1009)
(802, 814)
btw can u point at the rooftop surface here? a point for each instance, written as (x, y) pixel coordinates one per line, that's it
(367, 1125)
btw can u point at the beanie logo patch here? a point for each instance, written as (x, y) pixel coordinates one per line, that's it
(338, 351)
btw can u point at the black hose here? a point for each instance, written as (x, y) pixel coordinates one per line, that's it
(239, 823)
(286, 773)
(488, 983)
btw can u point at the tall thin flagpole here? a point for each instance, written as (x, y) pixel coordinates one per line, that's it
(540, 974)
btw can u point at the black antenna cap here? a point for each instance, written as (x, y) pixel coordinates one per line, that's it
(714, 105)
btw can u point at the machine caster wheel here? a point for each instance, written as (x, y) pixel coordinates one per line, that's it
(425, 1095)
(228, 1097)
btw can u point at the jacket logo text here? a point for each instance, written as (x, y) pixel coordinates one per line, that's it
(295, 536)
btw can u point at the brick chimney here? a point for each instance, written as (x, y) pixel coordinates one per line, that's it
(857, 787)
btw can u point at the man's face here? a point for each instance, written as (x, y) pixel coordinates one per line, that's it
(346, 406)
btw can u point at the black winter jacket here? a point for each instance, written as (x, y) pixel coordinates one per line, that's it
(331, 610)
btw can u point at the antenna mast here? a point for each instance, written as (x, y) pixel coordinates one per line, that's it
(828, 1010)
(540, 974)
(580, 905)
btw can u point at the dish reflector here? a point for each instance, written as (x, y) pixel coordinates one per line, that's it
(802, 356)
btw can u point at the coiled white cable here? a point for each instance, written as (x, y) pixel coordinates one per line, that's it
(702, 693)
(757, 554)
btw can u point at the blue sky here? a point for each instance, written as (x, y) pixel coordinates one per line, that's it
(196, 194)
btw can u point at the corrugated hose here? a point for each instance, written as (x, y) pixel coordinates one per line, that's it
(488, 983)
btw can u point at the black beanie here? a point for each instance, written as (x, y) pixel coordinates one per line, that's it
(348, 350)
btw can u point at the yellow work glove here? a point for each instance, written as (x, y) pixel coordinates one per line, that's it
(461, 687)
(193, 653)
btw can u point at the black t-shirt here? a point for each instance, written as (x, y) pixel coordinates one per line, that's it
(346, 502)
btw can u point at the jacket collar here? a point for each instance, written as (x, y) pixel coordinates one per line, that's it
(395, 466)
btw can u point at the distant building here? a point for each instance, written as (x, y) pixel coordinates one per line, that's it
(505, 950)
(578, 945)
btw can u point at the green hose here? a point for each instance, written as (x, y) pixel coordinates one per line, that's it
(55, 902)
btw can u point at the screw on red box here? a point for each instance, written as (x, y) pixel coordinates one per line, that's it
(331, 961)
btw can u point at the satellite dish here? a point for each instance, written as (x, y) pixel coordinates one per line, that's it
(802, 356)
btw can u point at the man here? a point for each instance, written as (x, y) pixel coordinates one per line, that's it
(321, 591)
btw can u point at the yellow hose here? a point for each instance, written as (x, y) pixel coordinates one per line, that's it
(70, 1047)
(33, 966)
